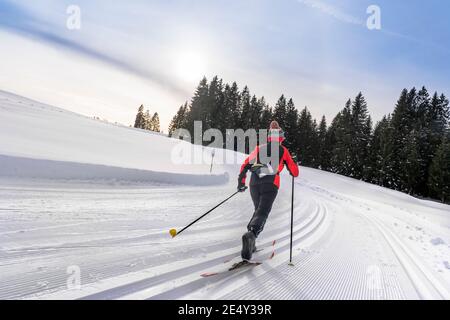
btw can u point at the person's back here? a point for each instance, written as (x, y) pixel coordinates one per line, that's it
(266, 163)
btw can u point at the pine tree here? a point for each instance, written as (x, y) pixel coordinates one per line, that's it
(232, 108)
(215, 104)
(422, 132)
(403, 122)
(179, 120)
(439, 177)
(323, 153)
(306, 139)
(291, 127)
(266, 116)
(379, 161)
(421, 107)
(315, 162)
(368, 133)
(256, 109)
(225, 113)
(234, 104)
(147, 123)
(411, 167)
(438, 118)
(360, 131)
(279, 112)
(245, 121)
(330, 143)
(139, 122)
(199, 110)
(341, 159)
(155, 126)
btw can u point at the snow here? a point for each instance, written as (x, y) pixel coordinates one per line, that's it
(69, 143)
(76, 192)
(437, 241)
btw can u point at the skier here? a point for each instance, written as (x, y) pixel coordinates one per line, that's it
(265, 162)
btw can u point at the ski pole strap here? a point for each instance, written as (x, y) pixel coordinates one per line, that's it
(196, 220)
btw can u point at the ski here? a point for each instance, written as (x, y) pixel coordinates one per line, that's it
(272, 254)
(244, 263)
(234, 267)
(257, 251)
(241, 264)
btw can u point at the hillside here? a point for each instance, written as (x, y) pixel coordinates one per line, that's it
(101, 197)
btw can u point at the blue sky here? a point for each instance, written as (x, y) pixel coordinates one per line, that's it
(154, 52)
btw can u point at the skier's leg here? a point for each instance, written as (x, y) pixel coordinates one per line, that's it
(255, 192)
(249, 238)
(256, 198)
(267, 197)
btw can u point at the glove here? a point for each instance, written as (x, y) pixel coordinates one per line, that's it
(241, 187)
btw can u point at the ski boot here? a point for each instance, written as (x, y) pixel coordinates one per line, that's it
(248, 246)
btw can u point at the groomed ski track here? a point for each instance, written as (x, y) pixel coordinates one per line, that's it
(342, 250)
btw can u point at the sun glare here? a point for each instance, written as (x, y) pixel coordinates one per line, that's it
(190, 66)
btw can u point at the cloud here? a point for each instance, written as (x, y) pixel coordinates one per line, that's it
(342, 16)
(332, 11)
(17, 20)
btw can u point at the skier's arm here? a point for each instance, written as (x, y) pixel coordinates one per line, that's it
(249, 161)
(290, 163)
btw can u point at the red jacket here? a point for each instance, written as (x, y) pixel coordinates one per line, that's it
(277, 164)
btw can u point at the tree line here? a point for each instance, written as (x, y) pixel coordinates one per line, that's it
(407, 150)
(146, 121)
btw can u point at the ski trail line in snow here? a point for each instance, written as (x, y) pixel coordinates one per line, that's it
(193, 270)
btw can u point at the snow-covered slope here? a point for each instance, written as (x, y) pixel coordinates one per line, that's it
(71, 146)
(352, 240)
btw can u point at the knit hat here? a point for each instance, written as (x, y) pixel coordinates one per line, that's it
(275, 133)
(274, 125)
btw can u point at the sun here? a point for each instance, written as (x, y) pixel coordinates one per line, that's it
(190, 66)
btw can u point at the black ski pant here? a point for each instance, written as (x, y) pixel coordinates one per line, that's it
(263, 196)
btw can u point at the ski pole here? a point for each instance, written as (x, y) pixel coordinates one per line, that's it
(292, 222)
(212, 160)
(174, 232)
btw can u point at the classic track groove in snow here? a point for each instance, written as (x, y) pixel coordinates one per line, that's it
(427, 286)
(352, 240)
